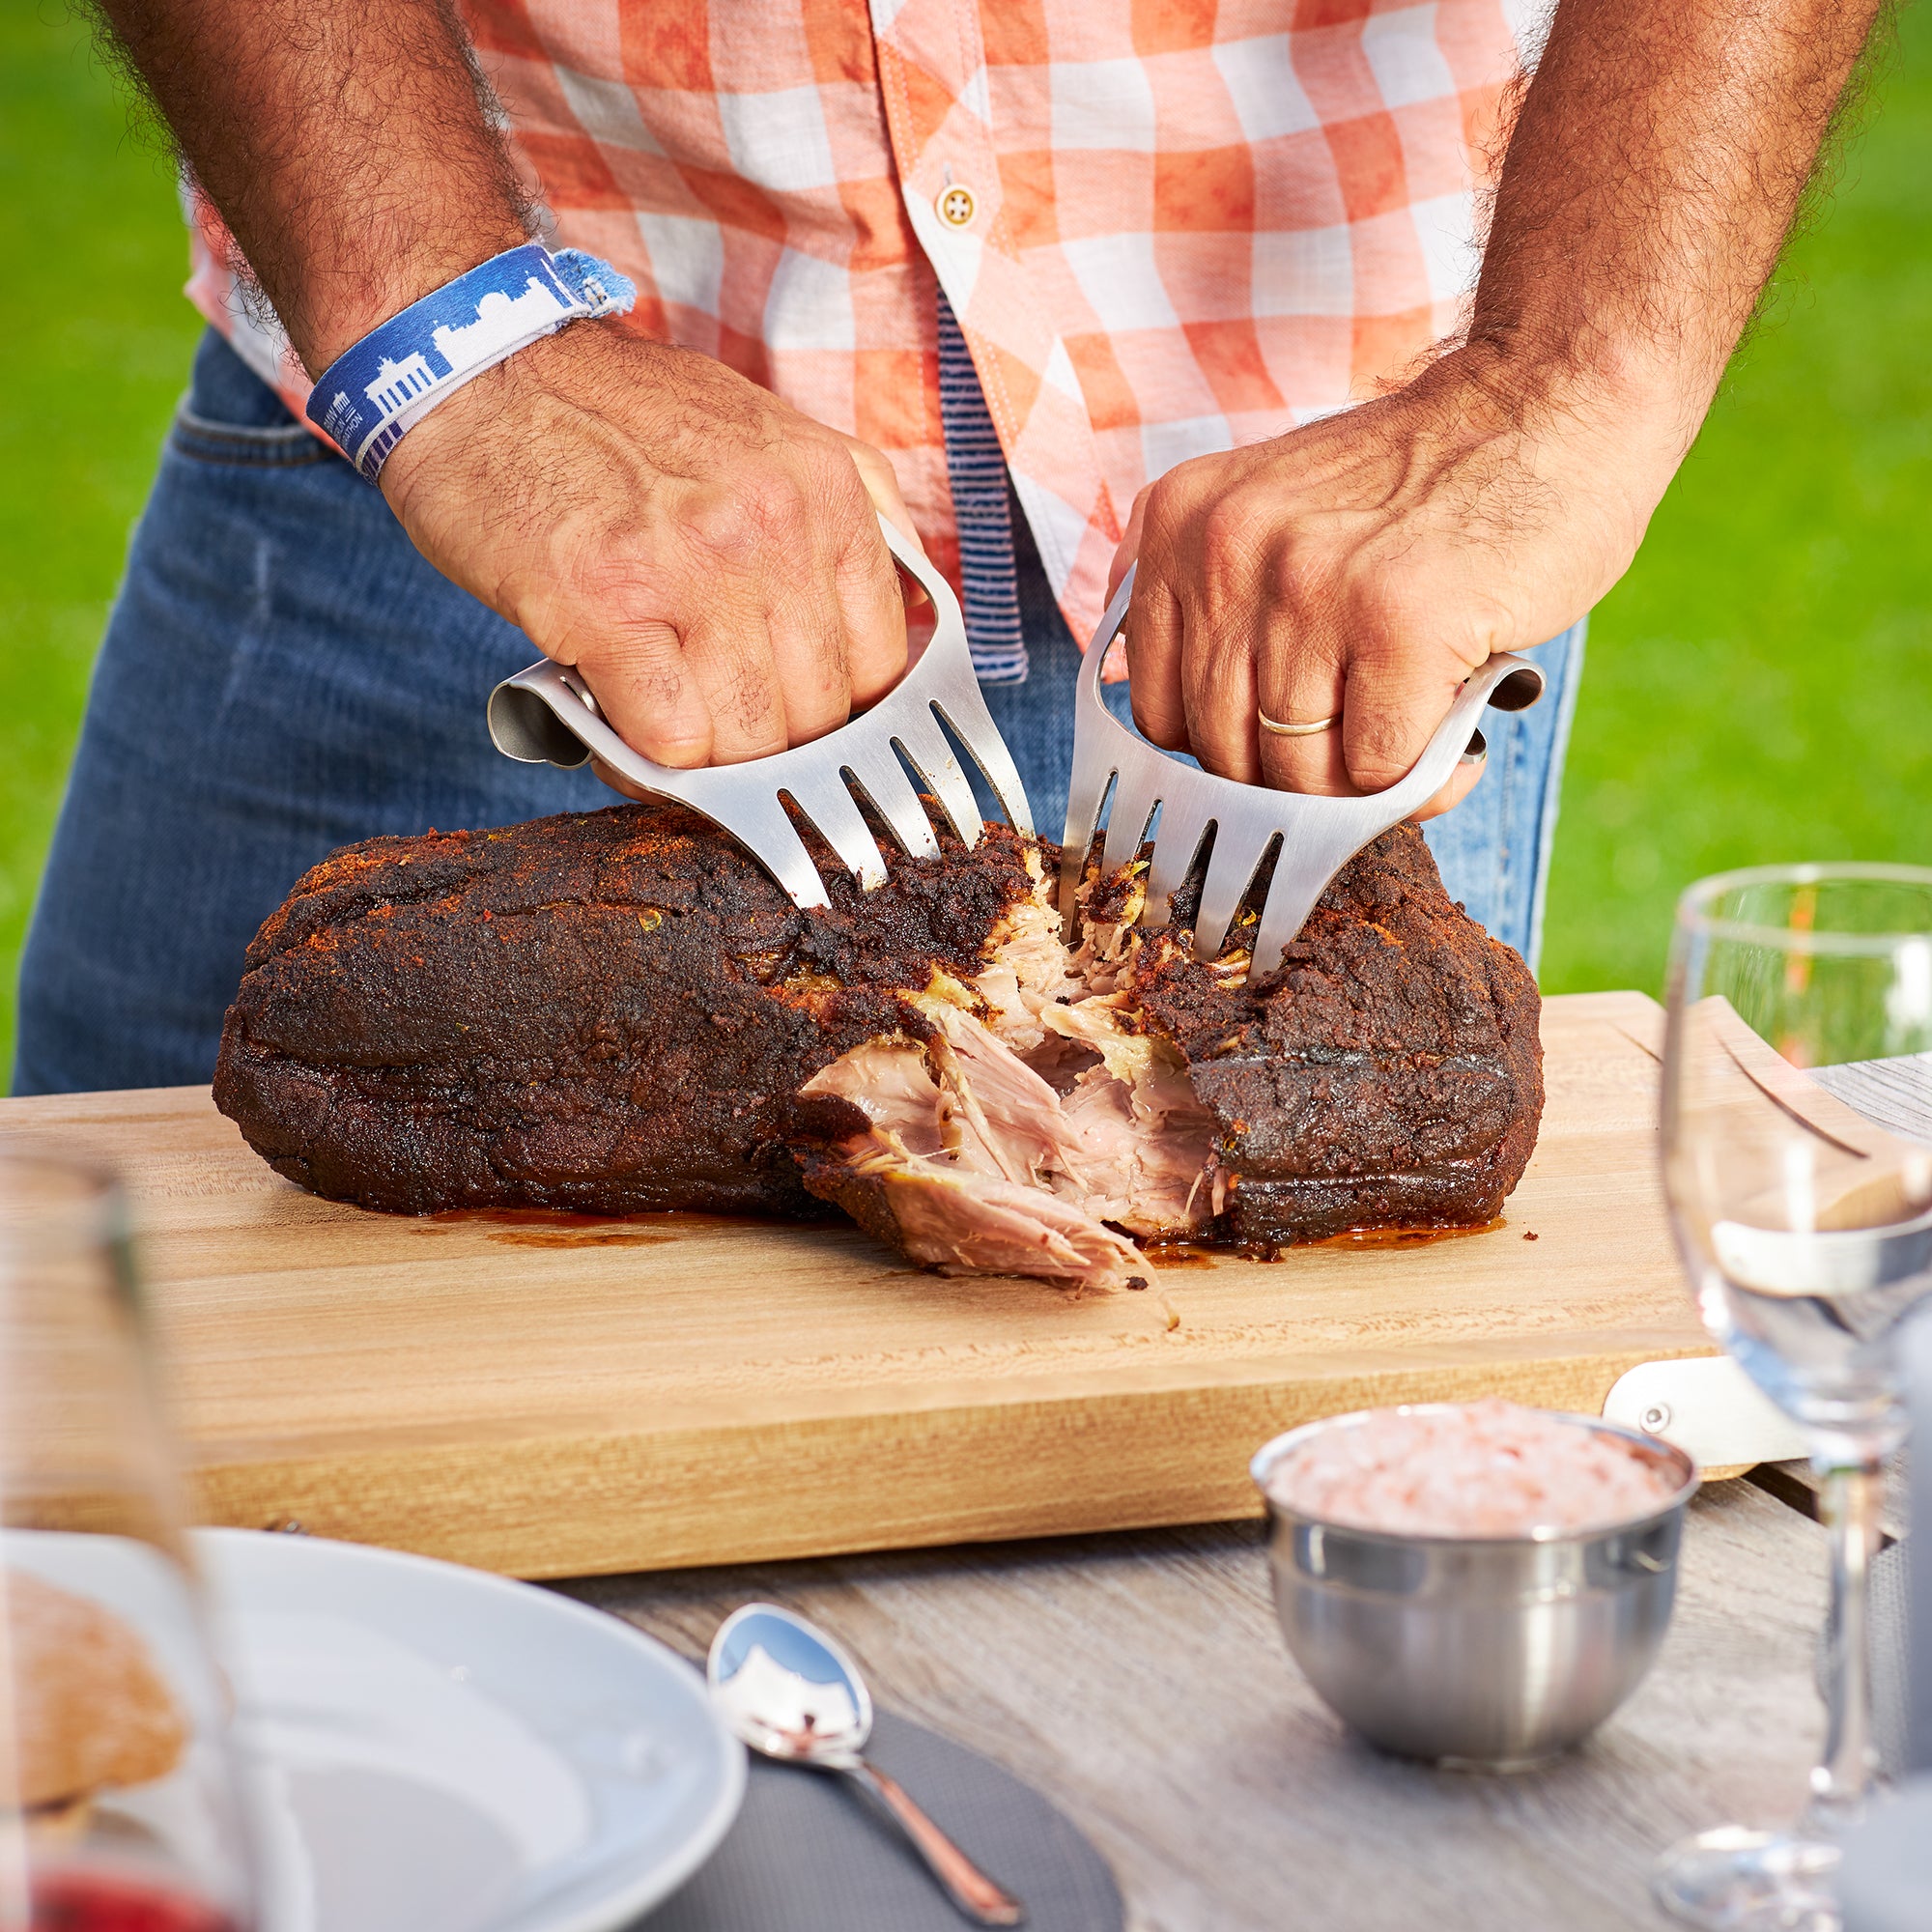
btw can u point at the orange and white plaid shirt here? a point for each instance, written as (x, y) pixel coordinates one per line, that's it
(1166, 226)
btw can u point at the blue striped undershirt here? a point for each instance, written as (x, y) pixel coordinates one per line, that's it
(976, 468)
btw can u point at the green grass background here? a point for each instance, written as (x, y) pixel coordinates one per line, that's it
(1759, 686)
(97, 338)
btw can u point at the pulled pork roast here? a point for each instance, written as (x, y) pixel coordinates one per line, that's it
(620, 1013)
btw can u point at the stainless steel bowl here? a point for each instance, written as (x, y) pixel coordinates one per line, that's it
(1498, 1653)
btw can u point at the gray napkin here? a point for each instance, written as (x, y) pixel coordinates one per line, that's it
(811, 1854)
(1891, 1658)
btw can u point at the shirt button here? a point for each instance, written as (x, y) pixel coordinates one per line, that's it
(955, 206)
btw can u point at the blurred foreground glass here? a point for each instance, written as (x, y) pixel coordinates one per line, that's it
(1800, 1013)
(117, 1796)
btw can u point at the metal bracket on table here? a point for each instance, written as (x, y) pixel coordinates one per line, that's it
(1710, 1409)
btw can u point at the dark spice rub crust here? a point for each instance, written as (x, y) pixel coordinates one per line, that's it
(616, 1011)
(1389, 1074)
(609, 1012)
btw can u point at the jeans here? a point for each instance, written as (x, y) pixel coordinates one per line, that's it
(283, 674)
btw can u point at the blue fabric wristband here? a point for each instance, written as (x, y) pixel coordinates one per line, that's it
(373, 394)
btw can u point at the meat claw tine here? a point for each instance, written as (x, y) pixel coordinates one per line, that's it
(1134, 800)
(1085, 797)
(825, 800)
(759, 820)
(925, 744)
(1181, 826)
(964, 710)
(1230, 872)
(885, 783)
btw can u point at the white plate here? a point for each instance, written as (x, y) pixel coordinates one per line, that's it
(440, 1749)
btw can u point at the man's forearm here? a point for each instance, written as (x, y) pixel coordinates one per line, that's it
(345, 144)
(1659, 157)
(708, 558)
(1358, 568)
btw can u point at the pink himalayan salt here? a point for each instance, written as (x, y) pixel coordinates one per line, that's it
(1479, 1468)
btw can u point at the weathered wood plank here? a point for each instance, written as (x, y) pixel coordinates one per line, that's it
(1892, 1093)
(1795, 1485)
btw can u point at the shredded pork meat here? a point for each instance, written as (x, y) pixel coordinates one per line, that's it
(1030, 1128)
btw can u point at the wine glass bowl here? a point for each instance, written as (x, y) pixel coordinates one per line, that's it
(1806, 1226)
(1798, 1170)
(119, 1805)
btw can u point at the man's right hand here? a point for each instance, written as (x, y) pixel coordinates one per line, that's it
(708, 558)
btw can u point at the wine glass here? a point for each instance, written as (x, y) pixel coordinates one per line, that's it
(119, 1802)
(1796, 1088)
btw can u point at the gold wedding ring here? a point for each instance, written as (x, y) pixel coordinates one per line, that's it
(1292, 730)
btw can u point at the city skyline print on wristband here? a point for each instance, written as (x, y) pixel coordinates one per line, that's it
(379, 389)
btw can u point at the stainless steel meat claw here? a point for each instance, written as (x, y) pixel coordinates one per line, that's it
(546, 715)
(1319, 836)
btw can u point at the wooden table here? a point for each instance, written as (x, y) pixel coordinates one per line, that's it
(1141, 1681)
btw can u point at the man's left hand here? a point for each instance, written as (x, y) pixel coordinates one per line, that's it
(1363, 566)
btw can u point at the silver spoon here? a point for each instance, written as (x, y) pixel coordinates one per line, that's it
(788, 1691)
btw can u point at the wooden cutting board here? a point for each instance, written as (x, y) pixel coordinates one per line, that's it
(552, 1399)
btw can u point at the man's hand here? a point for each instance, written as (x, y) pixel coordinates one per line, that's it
(1365, 564)
(1362, 567)
(706, 556)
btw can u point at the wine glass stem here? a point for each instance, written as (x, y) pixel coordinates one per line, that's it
(1852, 1486)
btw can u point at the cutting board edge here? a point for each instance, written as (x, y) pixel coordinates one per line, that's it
(914, 1479)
